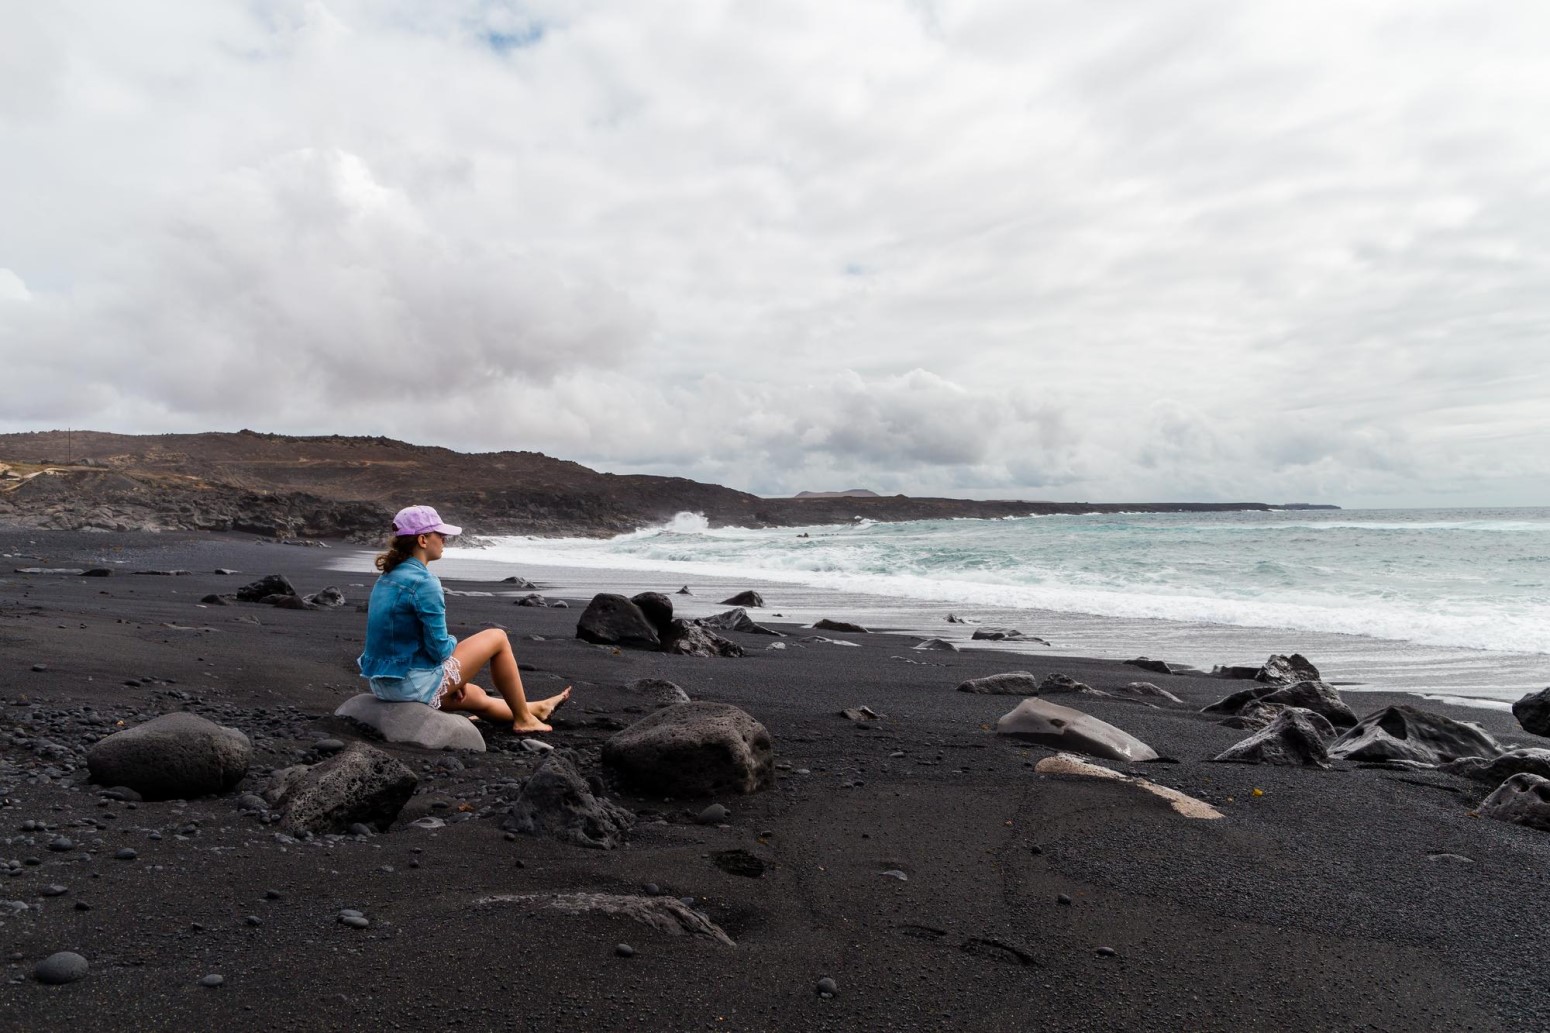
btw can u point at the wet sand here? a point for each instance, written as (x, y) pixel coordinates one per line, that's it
(1322, 904)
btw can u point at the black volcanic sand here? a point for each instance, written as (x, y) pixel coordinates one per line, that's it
(1318, 905)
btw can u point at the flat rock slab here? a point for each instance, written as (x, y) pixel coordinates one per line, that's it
(1182, 803)
(664, 914)
(1050, 724)
(413, 723)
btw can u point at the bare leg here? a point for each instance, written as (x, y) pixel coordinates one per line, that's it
(491, 647)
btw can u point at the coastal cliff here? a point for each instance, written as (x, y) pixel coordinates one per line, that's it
(336, 486)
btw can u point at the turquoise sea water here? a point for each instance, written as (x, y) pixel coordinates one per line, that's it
(1449, 602)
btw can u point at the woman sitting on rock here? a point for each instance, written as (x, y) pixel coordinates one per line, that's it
(409, 654)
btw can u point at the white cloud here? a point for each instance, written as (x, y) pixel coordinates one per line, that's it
(1060, 249)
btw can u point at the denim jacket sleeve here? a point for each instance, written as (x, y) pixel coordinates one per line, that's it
(430, 602)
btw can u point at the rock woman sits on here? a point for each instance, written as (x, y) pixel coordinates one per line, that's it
(410, 656)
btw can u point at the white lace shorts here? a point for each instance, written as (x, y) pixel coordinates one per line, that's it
(421, 684)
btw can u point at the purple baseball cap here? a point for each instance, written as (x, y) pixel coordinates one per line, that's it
(421, 520)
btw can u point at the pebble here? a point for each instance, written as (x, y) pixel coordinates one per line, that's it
(1063, 899)
(894, 873)
(361, 829)
(54, 890)
(61, 844)
(1106, 952)
(214, 979)
(126, 853)
(536, 746)
(624, 950)
(827, 987)
(253, 920)
(63, 967)
(715, 814)
(328, 745)
(651, 889)
(272, 895)
(354, 919)
(40, 667)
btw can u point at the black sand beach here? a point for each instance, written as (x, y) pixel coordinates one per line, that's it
(1336, 900)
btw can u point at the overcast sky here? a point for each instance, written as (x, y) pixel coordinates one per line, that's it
(1081, 250)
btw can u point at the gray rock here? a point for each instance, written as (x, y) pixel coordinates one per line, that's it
(62, 967)
(1012, 683)
(1064, 684)
(213, 980)
(612, 620)
(689, 639)
(413, 723)
(327, 599)
(1315, 696)
(694, 749)
(532, 599)
(362, 784)
(1145, 690)
(736, 619)
(522, 583)
(172, 757)
(1296, 738)
(830, 625)
(715, 814)
(659, 691)
(1534, 760)
(1148, 664)
(1523, 799)
(664, 914)
(1050, 724)
(557, 802)
(1406, 733)
(1287, 670)
(940, 644)
(1006, 635)
(827, 987)
(748, 598)
(1533, 712)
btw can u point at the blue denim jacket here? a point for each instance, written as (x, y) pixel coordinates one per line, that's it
(406, 623)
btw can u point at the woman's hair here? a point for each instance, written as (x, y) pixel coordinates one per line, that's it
(399, 548)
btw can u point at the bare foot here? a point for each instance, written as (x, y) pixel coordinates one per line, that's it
(545, 707)
(534, 726)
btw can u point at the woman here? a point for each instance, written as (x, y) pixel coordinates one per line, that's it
(410, 656)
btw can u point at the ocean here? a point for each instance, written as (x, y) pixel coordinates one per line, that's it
(1449, 603)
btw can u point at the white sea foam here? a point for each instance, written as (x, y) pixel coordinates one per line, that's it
(1486, 592)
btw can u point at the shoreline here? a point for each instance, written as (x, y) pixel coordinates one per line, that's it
(1335, 900)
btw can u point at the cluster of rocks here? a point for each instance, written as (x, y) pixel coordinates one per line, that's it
(685, 749)
(1298, 720)
(277, 590)
(646, 621)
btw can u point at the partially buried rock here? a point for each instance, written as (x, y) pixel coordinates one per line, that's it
(557, 802)
(532, 599)
(939, 644)
(1064, 684)
(1050, 724)
(1406, 733)
(172, 757)
(689, 639)
(1012, 683)
(328, 599)
(362, 784)
(829, 625)
(522, 584)
(61, 967)
(736, 619)
(748, 598)
(659, 691)
(265, 587)
(1287, 670)
(1523, 799)
(694, 749)
(1006, 635)
(413, 723)
(1533, 712)
(1495, 770)
(1148, 664)
(1310, 695)
(1296, 738)
(612, 620)
(1145, 690)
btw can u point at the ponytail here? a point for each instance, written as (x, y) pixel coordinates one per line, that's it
(399, 548)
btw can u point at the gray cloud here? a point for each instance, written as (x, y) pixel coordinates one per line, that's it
(1118, 250)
